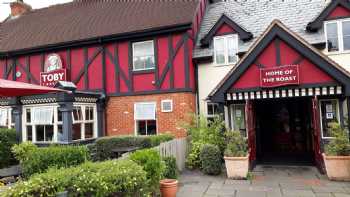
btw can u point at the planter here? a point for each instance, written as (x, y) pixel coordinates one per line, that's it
(237, 167)
(168, 187)
(337, 167)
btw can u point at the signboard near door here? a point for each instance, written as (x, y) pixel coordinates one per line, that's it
(54, 72)
(279, 76)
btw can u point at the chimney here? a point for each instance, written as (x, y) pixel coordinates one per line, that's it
(18, 8)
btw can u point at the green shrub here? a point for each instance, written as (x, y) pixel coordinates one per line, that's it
(104, 146)
(236, 144)
(339, 145)
(152, 163)
(193, 160)
(37, 160)
(7, 140)
(210, 158)
(171, 171)
(100, 179)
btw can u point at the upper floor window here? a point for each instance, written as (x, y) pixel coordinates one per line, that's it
(225, 49)
(143, 55)
(337, 35)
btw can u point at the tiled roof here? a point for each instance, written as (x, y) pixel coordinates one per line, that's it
(85, 19)
(256, 15)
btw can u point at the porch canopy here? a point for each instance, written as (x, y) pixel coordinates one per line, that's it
(282, 64)
(14, 88)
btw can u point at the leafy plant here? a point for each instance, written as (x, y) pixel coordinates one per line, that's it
(7, 140)
(236, 145)
(193, 159)
(339, 145)
(152, 163)
(37, 160)
(100, 179)
(171, 171)
(210, 158)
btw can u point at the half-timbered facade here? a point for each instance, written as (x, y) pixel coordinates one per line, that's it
(131, 59)
(278, 72)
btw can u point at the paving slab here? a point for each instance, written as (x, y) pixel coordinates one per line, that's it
(269, 181)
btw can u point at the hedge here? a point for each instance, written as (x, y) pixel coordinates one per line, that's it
(100, 179)
(152, 163)
(171, 171)
(210, 157)
(7, 140)
(103, 146)
(37, 160)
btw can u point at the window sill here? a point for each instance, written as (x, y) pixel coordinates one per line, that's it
(338, 53)
(144, 71)
(224, 65)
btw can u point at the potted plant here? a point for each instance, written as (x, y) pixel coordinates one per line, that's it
(169, 185)
(236, 155)
(337, 154)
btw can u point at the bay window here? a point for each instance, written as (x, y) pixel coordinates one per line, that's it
(42, 123)
(329, 112)
(337, 35)
(226, 49)
(145, 118)
(143, 55)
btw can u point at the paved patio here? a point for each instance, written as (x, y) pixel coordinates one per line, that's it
(276, 181)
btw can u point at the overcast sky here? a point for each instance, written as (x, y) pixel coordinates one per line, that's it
(5, 7)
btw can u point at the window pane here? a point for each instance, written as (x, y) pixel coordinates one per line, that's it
(231, 49)
(346, 35)
(219, 44)
(28, 114)
(220, 57)
(143, 55)
(329, 113)
(77, 113)
(44, 133)
(151, 127)
(141, 127)
(89, 130)
(59, 133)
(59, 116)
(145, 111)
(76, 131)
(332, 37)
(29, 133)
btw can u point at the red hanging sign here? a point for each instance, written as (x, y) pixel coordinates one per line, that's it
(279, 76)
(53, 71)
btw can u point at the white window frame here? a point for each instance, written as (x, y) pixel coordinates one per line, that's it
(225, 37)
(136, 121)
(9, 116)
(84, 121)
(171, 105)
(25, 124)
(320, 112)
(133, 53)
(339, 23)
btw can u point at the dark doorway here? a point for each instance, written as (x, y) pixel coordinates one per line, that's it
(283, 129)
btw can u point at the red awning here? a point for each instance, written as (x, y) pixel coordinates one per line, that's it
(14, 88)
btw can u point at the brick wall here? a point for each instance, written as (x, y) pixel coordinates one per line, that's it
(120, 113)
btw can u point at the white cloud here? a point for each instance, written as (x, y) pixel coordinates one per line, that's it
(5, 6)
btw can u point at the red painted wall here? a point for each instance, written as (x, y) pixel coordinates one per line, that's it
(224, 29)
(120, 84)
(338, 12)
(251, 77)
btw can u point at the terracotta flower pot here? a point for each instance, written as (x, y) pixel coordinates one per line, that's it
(168, 187)
(237, 167)
(337, 167)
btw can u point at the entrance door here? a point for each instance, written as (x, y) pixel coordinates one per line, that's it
(316, 134)
(250, 122)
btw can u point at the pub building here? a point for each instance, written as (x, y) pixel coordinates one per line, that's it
(127, 67)
(278, 71)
